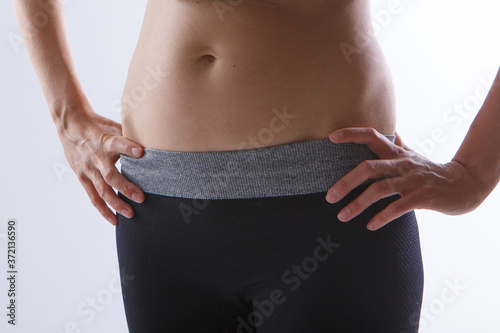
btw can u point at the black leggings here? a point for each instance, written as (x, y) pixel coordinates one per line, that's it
(267, 265)
(276, 264)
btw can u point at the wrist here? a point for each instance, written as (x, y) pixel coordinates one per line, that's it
(71, 118)
(478, 187)
(69, 108)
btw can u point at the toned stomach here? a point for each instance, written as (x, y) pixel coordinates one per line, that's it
(252, 74)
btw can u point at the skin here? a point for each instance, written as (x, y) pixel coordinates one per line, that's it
(210, 79)
(453, 188)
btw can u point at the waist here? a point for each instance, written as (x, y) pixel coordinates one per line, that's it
(197, 82)
(282, 170)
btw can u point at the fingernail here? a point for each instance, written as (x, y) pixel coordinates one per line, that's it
(111, 220)
(332, 196)
(371, 225)
(136, 196)
(344, 214)
(337, 135)
(126, 212)
(136, 152)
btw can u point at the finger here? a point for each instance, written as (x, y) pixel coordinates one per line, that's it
(367, 169)
(97, 201)
(399, 142)
(393, 211)
(376, 191)
(107, 193)
(115, 179)
(369, 136)
(120, 145)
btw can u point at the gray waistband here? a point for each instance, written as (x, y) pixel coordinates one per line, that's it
(289, 169)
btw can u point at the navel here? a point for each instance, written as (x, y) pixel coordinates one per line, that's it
(209, 58)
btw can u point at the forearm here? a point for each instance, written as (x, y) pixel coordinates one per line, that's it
(42, 27)
(480, 150)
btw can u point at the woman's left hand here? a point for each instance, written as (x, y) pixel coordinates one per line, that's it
(449, 188)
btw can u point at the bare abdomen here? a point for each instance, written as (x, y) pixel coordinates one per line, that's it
(260, 76)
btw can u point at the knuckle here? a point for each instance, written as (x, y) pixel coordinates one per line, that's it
(406, 165)
(405, 193)
(380, 187)
(368, 165)
(107, 174)
(99, 187)
(128, 189)
(112, 141)
(419, 178)
(341, 186)
(104, 142)
(395, 207)
(392, 184)
(87, 167)
(399, 152)
(116, 203)
(104, 138)
(124, 188)
(354, 206)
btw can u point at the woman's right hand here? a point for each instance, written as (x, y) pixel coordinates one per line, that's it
(92, 144)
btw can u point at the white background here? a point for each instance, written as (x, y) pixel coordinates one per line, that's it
(440, 53)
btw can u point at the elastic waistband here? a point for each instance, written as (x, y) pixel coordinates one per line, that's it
(289, 169)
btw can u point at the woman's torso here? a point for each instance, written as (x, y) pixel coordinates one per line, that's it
(239, 74)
